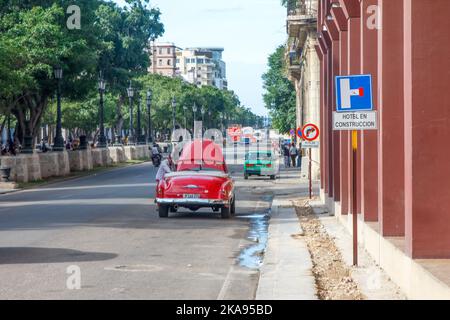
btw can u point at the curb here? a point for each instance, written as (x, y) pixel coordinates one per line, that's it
(286, 272)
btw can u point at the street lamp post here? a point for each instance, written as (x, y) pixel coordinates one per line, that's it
(130, 92)
(174, 105)
(149, 101)
(185, 116)
(9, 141)
(209, 119)
(194, 110)
(139, 127)
(101, 90)
(223, 123)
(59, 140)
(203, 117)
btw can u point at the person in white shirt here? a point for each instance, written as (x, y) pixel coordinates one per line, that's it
(164, 168)
(155, 149)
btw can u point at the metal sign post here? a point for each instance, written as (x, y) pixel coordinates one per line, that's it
(354, 197)
(354, 111)
(310, 173)
(309, 133)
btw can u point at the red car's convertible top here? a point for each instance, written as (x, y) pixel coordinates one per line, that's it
(204, 154)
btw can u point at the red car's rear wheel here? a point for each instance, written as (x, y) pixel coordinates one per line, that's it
(229, 211)
(163, 211)
(226, 212)
(233, 207)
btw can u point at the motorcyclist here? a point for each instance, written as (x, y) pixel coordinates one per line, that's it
(156, 150)
(156, 153)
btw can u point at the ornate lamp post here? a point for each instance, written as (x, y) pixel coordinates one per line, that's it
(174, 105)
(194, 110)
(59, 140)
(209, 119)
(28, 143)
(203, 116)
(9, 139)
(130, 92)
(223, 124)
(194, 114)
(185, 116)
(140, 138)
(101, 90)
(149, 101)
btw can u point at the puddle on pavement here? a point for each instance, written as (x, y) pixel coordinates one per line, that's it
(252, 256)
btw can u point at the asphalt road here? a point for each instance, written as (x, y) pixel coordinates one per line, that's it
(107, 226)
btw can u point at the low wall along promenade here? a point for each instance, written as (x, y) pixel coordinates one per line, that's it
(38, 166)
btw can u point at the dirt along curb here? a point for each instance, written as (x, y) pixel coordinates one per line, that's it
(332, 275)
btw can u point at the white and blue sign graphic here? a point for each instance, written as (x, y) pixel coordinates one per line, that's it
(354, 93)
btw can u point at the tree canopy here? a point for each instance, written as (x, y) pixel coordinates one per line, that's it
(112, 40)
(34, 38)
(279, 97)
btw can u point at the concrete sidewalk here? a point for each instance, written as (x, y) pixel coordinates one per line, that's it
(8, 187)
(286, 272)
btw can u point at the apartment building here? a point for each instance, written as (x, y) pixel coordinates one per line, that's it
(163, 59)
(199, 66)
(202, 67)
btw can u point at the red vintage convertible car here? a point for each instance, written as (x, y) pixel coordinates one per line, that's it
(200, 181)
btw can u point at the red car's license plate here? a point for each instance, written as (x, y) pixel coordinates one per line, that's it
(191, 196)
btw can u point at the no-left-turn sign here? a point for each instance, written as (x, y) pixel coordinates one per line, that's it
(310, 132)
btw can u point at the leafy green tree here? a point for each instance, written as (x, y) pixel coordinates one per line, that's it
(219, 102)
(125, 35)
(41, 41)
(34, 39)
(280, 96)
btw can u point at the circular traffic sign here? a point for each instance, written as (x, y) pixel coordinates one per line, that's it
(299, 132)
(310, 132)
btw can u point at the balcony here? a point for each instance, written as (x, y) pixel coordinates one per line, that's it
(294, 63)
(300, 16)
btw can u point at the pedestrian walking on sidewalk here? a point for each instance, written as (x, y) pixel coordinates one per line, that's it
(299, 159)
(293, 152)
(287, 160)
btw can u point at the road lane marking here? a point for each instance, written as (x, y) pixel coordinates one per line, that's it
(99, 201)
(130, 185)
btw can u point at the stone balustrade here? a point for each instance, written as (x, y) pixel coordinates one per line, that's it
(38, 166)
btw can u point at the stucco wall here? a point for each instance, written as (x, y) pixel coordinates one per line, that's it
(37, 166)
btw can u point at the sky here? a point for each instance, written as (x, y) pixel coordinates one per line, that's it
(248, 30)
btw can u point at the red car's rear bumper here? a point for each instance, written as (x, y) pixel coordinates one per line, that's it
(192, 202)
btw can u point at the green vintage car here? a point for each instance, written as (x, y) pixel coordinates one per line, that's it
(260, 163)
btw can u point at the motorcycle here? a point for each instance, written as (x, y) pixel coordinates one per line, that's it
(156, 160)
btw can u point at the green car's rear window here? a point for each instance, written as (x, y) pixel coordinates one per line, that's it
(259, 156)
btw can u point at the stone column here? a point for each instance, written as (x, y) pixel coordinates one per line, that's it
(342, 24)
(352, 13)
(335, 61)
(323, 170)
(427, 128)
(391, 184)
(324, 120)
(369, 138)
(328, 132)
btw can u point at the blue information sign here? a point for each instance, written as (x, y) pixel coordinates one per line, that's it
(354, 93)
